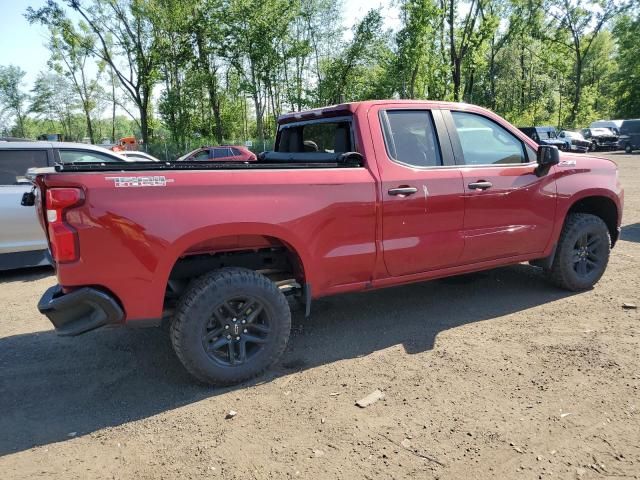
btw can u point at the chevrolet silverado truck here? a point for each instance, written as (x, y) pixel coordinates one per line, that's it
(392, 192)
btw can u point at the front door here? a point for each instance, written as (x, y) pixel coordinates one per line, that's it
(422, 193)
(509, 210)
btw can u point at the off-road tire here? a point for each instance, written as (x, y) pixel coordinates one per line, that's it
(565, 271)
(195, 314)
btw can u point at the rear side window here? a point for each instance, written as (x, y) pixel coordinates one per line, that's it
(484, 142)
(321, 137)
(410, 138)
(85, 156)
(630, 126)
(15, 163)
(236, 152)
(221, 152)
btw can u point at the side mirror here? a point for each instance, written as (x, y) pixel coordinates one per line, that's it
(351, 159)
(547, 157)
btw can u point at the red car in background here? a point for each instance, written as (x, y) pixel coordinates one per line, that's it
(223, 153)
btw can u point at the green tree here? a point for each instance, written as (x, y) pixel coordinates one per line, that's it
(627, 91)
(124, 40)
(54, 101)
(13, 100)
(578, 23)
(360, 71)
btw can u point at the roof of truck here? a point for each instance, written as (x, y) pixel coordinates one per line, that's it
(351, 107)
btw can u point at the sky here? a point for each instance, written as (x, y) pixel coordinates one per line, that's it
(22, 44)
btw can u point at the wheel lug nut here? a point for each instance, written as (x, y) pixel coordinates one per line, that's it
(237, 338)
(228, 337)
(235, 319)
(245, 330)
(244, 321)
(226, 327)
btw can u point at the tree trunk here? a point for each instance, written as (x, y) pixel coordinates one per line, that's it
(87, 115)
(492, 74)
(456, 73)
(212, 86)
(143, 107)
(412, 83)
(577, 93)
(113, 110)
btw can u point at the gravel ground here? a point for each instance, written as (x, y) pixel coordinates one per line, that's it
(491, 375)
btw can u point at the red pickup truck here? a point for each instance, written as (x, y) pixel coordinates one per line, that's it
(354, 197)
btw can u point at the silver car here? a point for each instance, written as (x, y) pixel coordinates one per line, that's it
(22, 241)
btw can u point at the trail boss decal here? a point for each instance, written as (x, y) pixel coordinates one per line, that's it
(567, 163)
(147, 181)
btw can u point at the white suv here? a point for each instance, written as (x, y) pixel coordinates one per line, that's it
(22, 241)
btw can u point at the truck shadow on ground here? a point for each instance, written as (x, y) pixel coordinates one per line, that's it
(630, 233)
(54, 388)
(26, 275)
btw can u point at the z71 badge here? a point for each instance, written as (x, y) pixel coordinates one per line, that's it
(147, 181)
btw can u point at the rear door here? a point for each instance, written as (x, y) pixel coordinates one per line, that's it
(21, 230)
(222, 154)
(509, 210)
(422, 194)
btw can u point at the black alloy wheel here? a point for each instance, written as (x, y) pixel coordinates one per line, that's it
(230, 325)
(582, 253)
(237, 330)
(588, 254)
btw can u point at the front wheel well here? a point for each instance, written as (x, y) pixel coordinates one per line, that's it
(602, 207)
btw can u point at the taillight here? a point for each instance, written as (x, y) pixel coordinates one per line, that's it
(63, 238)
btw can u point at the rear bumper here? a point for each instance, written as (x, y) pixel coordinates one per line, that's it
(79, 311)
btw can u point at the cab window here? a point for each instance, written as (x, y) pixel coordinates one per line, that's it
(320, 137)
(410, 138)
(484, 142)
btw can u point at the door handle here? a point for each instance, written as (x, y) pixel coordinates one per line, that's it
(403, 191)
(480, 185)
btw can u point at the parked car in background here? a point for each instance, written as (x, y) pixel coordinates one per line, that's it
(574, 141)
(223, 153)
(22, 242)
(613, 125)
(135, 156)
(601, 138)
(630, 135)
(51, 137)
(544, 136)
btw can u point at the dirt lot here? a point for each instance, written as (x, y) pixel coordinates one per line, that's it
(493, 375)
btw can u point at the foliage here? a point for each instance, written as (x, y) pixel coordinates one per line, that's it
(12, 98)
(222, 71)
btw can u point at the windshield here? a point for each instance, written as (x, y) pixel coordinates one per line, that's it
(601, 131)
(575, 135)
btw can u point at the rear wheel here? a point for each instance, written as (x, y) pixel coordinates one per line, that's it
(593, 147)
(230, 326)
(627, 148)
(582, 254)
